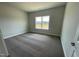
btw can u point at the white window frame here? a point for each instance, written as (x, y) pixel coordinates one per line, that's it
(42, 22)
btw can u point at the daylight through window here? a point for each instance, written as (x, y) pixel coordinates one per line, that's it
(42, 22)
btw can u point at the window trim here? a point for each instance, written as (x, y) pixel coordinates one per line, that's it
(42, 22)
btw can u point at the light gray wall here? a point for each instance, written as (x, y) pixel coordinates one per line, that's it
(56, 19)
(12, 21)
(71, 21)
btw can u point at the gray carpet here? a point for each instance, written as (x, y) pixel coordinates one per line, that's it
(34, 45)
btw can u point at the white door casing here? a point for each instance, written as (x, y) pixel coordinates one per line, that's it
(76, 41)
(3, 48)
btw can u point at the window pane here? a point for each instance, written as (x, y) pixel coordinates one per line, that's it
(38, 22)
(45, 22)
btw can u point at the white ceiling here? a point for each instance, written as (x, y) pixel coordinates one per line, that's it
(35, 6)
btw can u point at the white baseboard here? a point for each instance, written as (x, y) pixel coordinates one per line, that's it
(48, 34)
(13, 35)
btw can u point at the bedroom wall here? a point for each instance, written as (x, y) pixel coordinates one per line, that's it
(56, 19)
(12, 21)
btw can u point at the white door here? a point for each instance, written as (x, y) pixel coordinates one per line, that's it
(76, 44)
(3, 48)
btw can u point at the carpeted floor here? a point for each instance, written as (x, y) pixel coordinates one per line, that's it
(34, 45)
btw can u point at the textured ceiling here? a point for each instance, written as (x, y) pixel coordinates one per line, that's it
(35, 6)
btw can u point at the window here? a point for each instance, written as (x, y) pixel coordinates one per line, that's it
(38, 23)
(42, 22)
